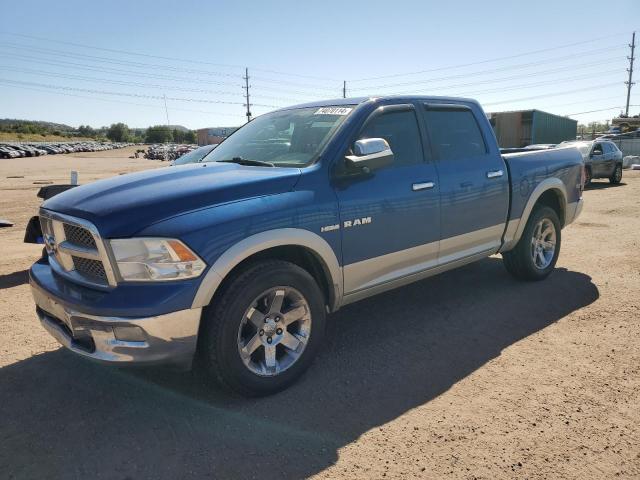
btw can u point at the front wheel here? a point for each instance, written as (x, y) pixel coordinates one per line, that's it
(617, 175)
(535, 255)
(264, 330)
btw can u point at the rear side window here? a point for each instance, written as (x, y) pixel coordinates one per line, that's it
(400, 130)
(455, 134)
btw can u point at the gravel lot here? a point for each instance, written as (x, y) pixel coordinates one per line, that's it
(466, 375)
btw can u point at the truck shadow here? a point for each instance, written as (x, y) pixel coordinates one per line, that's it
(63, 416)
(601, 185)
(14, 279)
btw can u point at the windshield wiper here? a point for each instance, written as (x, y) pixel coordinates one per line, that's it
(248, 162)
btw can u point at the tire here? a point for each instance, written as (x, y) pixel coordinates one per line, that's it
(616, 178)
(525, 261)
(587, 176)
(241, 320)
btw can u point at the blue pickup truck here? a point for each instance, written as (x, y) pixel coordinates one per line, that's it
(236, 262)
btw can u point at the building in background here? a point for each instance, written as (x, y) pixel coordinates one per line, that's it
(215, 135)
(527, 127)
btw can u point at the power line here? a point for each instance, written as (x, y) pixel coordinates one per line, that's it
(121, 72)
(513, 77)
(494, 70)
(110, 100)
(567, 92)
(491, 60)
(128, 52)
(116, 71)
(94, 58)
(534, 84)
(124, 94)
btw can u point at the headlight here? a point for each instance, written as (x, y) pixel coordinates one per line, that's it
(155, 259)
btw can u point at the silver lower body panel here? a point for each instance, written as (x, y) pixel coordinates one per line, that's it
(169, 338)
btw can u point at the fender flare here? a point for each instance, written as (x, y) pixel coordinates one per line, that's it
(265, 240)
(516, 226)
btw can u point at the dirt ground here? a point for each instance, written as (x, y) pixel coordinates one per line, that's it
(470, 374)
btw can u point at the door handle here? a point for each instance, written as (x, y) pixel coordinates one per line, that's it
(495, 174)
(422, 186)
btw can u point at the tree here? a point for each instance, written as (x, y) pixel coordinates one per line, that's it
(118, 132)
(159, 134)
(189, 137)
(86, 131)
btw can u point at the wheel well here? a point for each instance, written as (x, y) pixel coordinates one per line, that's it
(301, 256)
(553, 199)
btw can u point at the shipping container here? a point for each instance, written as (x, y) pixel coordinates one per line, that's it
(527, 127)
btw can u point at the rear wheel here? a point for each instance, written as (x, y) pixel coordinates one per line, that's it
(535, 255)
(617, 175)
(265, 329)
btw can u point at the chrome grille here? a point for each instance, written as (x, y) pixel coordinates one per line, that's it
(76, 250)
(90, 268)
(79, 236)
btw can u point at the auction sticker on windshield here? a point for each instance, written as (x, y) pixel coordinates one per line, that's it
(333, 111)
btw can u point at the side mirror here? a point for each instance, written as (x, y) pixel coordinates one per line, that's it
(369, 154)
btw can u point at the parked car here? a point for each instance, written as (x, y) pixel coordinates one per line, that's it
(297, 213)
(6, 152)
(194, 156)
(602, 159)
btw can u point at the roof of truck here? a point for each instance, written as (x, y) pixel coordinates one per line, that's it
(359, 100)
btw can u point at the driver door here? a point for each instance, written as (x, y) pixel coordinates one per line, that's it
(390, 217)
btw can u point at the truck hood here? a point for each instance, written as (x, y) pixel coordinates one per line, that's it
(123, 205)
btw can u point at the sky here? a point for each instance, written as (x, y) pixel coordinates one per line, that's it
(97, 63)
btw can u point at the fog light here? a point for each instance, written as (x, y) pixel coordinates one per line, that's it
(129, 334)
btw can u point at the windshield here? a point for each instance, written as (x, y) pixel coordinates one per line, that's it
(289, 138)
(194, 156)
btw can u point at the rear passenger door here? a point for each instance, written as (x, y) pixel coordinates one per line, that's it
(474, 183)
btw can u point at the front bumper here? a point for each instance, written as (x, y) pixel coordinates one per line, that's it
(168, 338)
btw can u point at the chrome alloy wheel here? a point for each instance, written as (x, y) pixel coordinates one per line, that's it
(543, 244)
(274, 331)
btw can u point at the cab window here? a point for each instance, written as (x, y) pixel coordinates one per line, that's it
(400, 130)
(455, 133)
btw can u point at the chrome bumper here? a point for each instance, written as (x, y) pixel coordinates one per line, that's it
(169, 338)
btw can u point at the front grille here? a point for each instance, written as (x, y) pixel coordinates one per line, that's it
(90, 268)
(79, 236)
(76, 250)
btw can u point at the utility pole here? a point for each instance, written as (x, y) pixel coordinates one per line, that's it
(629, 83)
(166, 110)
(344, 89)
(246, 95)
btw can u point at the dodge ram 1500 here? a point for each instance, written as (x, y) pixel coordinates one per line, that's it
(237, 261)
